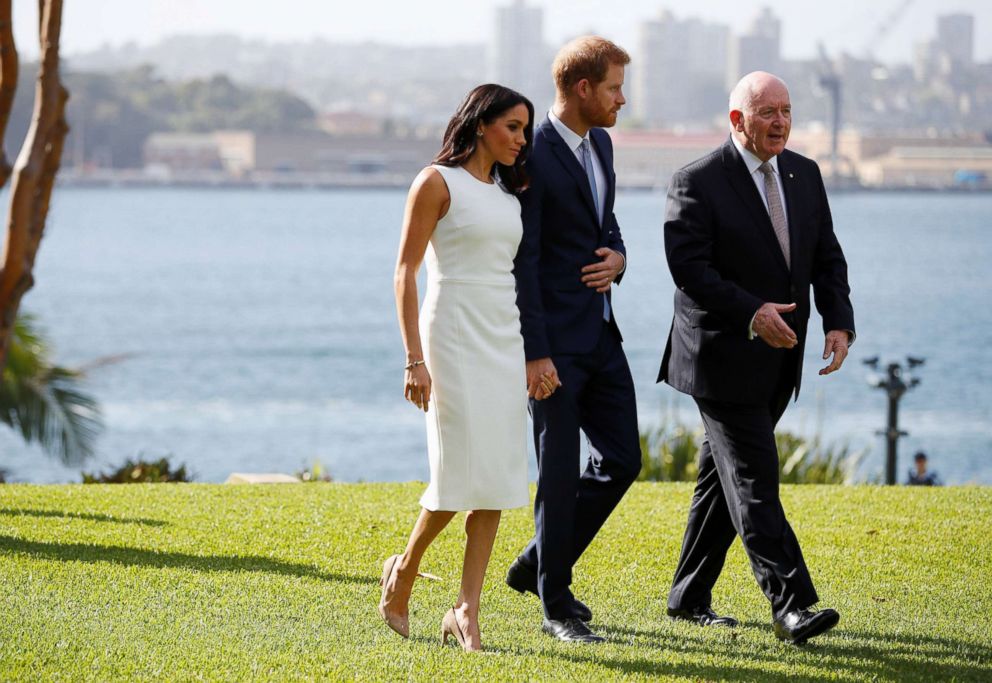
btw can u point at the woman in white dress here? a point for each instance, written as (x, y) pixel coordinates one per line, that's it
(464, 352)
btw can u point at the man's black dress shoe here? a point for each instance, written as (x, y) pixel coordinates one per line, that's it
(800, 625)
(571, 631)
(523, 579)
(704, 616)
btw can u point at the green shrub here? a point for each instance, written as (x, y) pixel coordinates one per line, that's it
(141, 472)
(317, 472)
(808, 461)
(670, 452)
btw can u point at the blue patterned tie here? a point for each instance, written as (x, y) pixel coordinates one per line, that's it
(591, 175)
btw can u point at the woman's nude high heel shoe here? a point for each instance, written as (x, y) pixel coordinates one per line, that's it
(450, 627)
(398, 623)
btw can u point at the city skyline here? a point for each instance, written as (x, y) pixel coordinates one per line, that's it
(843, 26)
(326, 107)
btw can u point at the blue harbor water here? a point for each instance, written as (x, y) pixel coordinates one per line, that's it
(258, 329)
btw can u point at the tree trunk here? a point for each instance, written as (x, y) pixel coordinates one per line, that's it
(8, 81)
(36, 166)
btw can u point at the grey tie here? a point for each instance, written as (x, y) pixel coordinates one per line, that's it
(776, 211)
(591, 175)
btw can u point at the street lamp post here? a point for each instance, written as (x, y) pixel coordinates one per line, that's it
(895, 382)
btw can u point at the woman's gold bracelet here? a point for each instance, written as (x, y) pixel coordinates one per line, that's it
(412, 364)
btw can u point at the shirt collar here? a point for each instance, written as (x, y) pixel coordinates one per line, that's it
(750, 160)
(571, 138)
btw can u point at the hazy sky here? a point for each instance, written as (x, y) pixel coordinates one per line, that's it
(840, 24)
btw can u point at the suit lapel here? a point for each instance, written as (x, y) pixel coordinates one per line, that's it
(793, 204)
(567, 159)
(743, 184)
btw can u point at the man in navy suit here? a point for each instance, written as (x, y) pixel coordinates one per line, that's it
(570, 255)
(748, 234)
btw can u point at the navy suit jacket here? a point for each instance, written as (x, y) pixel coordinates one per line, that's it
(726, 262)
(558, 312)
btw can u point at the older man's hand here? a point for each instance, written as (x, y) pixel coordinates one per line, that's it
(773, 330)
(836, 343)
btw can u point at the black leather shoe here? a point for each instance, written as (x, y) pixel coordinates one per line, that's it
(571, 631)
(800, 625)
(523, 579)
(704, 616)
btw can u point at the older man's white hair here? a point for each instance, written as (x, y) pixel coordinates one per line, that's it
(744, 93)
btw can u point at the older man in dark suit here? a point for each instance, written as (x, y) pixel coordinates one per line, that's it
(748, 233)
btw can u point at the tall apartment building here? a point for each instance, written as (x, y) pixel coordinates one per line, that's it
(518, 56)
(950, 53)
(956, 38)
(758, 49)
(679, 72)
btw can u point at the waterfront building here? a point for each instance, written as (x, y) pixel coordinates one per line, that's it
(293, 158)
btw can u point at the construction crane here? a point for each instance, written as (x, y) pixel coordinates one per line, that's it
(883, 27)
(829, 80)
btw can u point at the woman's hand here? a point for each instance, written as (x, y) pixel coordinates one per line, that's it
(418, 386)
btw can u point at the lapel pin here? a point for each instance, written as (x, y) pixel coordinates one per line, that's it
(791, 176)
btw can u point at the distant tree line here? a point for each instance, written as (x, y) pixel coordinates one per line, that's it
(112, 114)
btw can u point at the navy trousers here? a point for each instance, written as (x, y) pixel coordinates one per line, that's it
(597, 397)
(737, 495)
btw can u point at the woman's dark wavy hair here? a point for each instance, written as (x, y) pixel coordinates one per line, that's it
(485, 104)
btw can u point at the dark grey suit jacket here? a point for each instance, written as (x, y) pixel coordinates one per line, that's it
(726, 262)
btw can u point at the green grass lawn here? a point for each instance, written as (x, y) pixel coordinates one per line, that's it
(194, 581)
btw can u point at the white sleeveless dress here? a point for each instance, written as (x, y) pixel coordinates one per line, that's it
(470, 327)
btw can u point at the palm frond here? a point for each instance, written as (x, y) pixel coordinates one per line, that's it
(45, 403)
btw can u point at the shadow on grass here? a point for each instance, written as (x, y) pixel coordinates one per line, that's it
(92, 517)
(844, 654)
(913, 643)
(829, 659)
(894, 645)
(940, 658)
(661, 633)
(137, 557)
(745, 669)
(840, 656)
